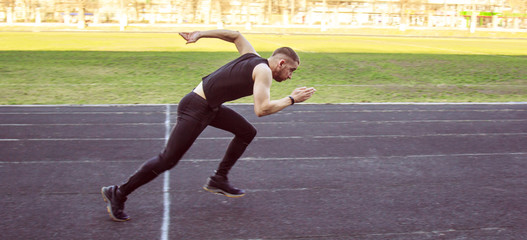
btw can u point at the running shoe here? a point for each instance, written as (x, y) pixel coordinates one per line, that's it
(114, 203)
(220, 185)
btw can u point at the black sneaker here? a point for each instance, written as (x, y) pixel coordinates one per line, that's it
(220, 185)
(115, 203)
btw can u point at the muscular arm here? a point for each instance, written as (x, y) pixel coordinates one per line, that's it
(235, 37)
(263, 105)
(262, 93)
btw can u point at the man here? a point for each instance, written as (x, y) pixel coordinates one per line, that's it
(247, 75)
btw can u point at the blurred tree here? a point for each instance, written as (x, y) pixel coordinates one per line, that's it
(407, 8)
(9, 6)
(518, 6)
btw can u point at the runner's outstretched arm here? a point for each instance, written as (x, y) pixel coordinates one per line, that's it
(235, 37)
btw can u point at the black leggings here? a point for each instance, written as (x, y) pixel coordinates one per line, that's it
(194, 115)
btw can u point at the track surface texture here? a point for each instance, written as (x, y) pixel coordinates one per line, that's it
(357, 171)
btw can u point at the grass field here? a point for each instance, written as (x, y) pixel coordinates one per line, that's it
(130, 68)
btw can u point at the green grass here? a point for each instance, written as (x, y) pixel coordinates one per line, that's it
(115, 68)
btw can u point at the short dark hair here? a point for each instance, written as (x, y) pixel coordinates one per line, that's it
(288, 52)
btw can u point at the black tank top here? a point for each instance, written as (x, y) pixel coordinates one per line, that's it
(232, 81)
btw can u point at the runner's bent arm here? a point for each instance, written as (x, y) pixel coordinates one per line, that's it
(262, 93)
(263, 105)
(235, 37)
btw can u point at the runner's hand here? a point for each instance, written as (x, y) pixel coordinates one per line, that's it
(191, 37)
(302, 94)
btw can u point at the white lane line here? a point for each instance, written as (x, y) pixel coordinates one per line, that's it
(166, 184)
(328, 158)
(80, 113)
(390, 136)
(409, 110)
(436, 232)
(249, 104)
(391, 121)
(277, 137)
(81, 124)
(78, 139)
(97, 84)
(270, 123)
(254, 159)
(304, 111)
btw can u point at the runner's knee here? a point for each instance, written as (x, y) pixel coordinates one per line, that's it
(165, 162)
(248, 135)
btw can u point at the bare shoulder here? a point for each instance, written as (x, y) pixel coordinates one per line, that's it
(262, 72)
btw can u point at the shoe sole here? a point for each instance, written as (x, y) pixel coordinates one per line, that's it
(109, 207)
(221, 192)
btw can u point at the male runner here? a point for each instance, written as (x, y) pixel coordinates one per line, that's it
(247, 75)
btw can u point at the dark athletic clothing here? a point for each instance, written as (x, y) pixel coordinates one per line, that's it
(232, 81)
(194, 114)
